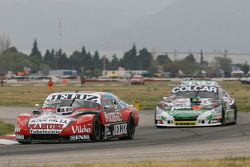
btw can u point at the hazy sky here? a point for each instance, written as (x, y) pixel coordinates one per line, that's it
(81, 20)
(114, 25)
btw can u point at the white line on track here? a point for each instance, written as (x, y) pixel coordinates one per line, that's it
(7, 142)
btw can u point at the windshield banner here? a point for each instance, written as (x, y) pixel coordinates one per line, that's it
(211, 89)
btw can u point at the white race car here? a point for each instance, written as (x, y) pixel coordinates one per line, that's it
(196, 103)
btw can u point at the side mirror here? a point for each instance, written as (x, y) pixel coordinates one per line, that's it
(37, 105)
(165, 98)
(36, 112)
(106, 107)
(130, 105)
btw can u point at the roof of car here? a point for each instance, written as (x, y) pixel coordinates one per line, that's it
(83, 92)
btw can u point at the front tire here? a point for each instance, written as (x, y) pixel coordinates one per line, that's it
(96, 135)
(24, 142)
(223, 120)
(130, 129)
(235, 114)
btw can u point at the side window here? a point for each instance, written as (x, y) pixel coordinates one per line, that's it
(107, 103)
(117, 105)
(123, 104)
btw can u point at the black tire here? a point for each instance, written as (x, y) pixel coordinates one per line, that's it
(223, 122)
(155, 119)
(235, 114)
(102, 133)
(130, 129)
(96, 135)
(24, 142)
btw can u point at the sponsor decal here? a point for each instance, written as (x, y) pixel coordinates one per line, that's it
(79, 137)
(120, 129)
(80, 96)
(17, 128)
(46, 126)
(113, 116)
(173, 112)
(185, 123)
(20, 137)
(49, 120)
(80, 129)
(45, 131)
(181, 107)
(211, 89)
(214, 121)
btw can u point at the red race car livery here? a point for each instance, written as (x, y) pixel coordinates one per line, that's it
(76, 117)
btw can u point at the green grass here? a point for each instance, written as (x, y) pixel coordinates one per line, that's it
(148, 94)
(6, 128)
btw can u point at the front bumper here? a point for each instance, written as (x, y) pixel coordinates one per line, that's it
(197, 123)
(51, 138)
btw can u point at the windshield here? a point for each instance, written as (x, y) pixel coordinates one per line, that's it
(84, 104)
(68, 102)
(196, 94)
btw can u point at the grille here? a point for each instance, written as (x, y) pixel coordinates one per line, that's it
(44, 137)
(185, 119)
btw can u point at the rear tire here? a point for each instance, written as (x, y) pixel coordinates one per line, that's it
(96, 135)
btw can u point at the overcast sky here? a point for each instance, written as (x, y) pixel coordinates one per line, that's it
(81, 20)
(114, 25)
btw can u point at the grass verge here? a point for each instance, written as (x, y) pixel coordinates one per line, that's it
(148, 94)
(6, 128)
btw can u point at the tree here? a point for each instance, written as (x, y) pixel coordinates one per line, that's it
(105, 63)
(96, 60)
(76, 60)
(14, 61)
(225, 64)
(35, 55)
(88, 62)
(62, 60)
(190, 58)
(163, 59)
(144, 59)
(49, 59)
(4, 43)
(130, 60)
(245, 67)
(114, 64)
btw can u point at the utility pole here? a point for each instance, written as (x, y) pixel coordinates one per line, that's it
(175, 54)
(104, 64)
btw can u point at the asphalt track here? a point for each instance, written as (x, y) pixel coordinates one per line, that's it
(150, 143)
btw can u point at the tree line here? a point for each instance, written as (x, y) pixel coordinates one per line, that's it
(93, 64)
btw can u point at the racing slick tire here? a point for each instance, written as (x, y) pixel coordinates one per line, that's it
(155, 119)
(24, 142)
(223, 121)
(130, 129)
(235, 114)
(96, 135)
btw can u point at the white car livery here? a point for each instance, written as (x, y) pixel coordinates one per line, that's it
(196, 103)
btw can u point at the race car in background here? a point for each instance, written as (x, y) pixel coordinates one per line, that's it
(137, 80)
(196, 103)
(76, 117)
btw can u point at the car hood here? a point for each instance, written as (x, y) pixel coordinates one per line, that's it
(184, 108)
